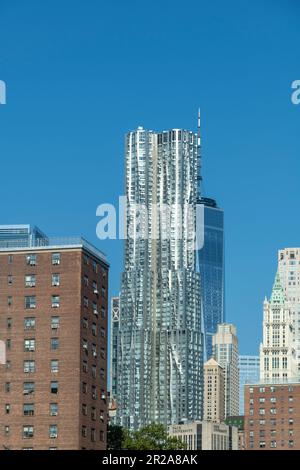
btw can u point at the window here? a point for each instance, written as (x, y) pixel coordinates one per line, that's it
(291, 421)
(102, 436)
(262, 444)
(8, 344)
(291, 399)
(273, 411)
(262, 422)
(7, 408)
(6, 430)
(102, 353)
(55, 302)
(9, 301)
(85, 323)
(95, 309)
(55, 280)
(85, 366)
(273, 444)
(84, 431)
(86, 260)
(94, 350)
(29, 323)
(53, 409)
(102, 416)
(262, 411)
(30, 302)
(94, 371)
(9, 323)
(29, 367)
(86, 281)
(31, 260)
(30, 280)
(28, 409)
(85, 301)
(102, 374)
(291, 410)
(28, 388)
(54, 387)
(272, 389)
(95, 267)
(84, 409)
(273, 400)
(95, 288)
(103, 312)
(94, 329)
(262, 400)
(93, 413)
(7, 387)
(93, 435)
(251, 390)
(54, 366)
(54, 323)
(8, 365)
(29, 345)
(102, 332)
(56, 259)
(291, 444)
(28, 432)
(84, 387)
(10, 259)
(94, 392)
(54, 343)
(9, 279)
(261, 390)
(53, 431)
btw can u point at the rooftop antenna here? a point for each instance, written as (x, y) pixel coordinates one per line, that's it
(199, 176)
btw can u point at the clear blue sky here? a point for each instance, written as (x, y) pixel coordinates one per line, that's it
(80, 74)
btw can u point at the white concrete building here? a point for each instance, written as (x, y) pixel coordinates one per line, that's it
(205, 435)
(289, 271)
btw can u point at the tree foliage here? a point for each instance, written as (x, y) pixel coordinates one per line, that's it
(152, 437)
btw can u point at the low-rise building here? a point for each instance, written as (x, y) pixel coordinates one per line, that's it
(205, 435)
(272, 416)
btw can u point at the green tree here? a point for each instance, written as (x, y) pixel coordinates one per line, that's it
(152, 437)
(115, 437)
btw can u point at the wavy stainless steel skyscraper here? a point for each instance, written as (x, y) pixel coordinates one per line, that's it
(160, 349)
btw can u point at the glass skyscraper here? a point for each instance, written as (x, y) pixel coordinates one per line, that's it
(160, 357)
(249, 374)
(211, 267)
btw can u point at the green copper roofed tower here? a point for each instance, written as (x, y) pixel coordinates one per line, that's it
(278, 359)
(277, 296)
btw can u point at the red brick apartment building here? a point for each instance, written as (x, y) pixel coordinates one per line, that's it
(53, 318)
(272, 416)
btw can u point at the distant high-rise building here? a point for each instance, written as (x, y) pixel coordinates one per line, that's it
(211, 266)
(278, 359)
(289, 271)
(160, 366)
(21, 235)
(53, 318)
(214, 392)
(248, 374)
(225, 352)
